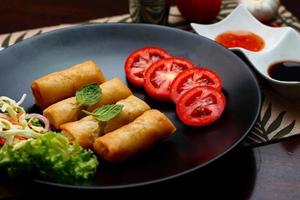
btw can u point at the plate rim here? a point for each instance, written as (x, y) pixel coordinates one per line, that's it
(167, 178)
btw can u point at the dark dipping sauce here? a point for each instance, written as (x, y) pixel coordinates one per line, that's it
(285, 71)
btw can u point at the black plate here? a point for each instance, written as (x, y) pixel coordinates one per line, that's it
(187, 150)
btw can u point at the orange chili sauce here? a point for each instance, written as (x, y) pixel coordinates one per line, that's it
(243, 39)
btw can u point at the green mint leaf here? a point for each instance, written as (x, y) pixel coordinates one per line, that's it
(106, 112)
(89, 94)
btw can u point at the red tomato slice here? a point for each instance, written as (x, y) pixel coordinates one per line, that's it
(138, 61)
(191, 78)
(160, 75)
(201, 106)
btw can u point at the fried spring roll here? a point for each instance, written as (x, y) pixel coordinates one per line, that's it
(86, 130)
(83, 131)
(59, 85)
(64, 111)
(69, 110)
(136, 137)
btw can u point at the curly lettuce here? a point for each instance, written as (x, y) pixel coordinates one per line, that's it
(49, 156)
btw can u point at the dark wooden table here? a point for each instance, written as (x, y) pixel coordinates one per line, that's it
(270, 172)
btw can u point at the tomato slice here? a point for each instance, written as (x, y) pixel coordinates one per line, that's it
(138, 61)
(160, 75)
(191, 78)
(201, 106)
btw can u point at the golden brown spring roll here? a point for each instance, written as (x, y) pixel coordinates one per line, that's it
(86, 130)
(64, 111)
(69, 110)
(83, 131)
(59, 85)
(136, 137)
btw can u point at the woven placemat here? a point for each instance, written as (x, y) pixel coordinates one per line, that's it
(279, 117)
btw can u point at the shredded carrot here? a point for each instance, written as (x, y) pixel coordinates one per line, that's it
(14, 122)
(21, 137)
(19, 115)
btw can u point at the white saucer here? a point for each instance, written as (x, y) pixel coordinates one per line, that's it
(281, 44)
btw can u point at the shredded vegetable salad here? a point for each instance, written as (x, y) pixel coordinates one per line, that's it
(27, 146)
(16, 125)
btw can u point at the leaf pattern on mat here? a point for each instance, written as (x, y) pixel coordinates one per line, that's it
(276, 123)
(123, 20)
(289, 21)
(283, 132)
(266, 130)
(5, 42)
(38, 33)
(20, 38)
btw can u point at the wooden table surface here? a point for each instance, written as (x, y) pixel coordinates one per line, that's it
(270, 172)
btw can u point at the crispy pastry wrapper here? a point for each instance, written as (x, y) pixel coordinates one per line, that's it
(86, 130)
(60, 85)
(70, 110)
(134, 138)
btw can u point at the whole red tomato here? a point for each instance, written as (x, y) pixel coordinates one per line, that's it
(199, 10)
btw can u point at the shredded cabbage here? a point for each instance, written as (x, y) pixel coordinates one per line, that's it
(13, 121)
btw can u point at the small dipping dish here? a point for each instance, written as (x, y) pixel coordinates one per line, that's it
(281, 44)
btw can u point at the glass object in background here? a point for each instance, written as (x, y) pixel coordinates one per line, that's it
(149, 11)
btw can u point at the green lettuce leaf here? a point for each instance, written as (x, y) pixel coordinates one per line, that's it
(49, 156)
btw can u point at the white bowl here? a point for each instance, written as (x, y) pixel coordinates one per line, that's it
(281, 44)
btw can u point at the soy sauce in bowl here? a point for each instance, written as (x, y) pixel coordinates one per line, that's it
(285, 71)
